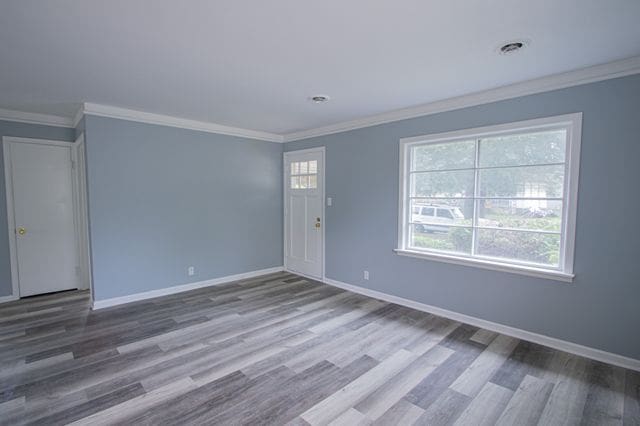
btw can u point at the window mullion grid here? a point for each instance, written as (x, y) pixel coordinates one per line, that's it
(462, 169)
(476, 175)
(565, 202)
(408, 159)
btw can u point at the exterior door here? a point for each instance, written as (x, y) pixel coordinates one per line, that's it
(303, 212)
(43, 212)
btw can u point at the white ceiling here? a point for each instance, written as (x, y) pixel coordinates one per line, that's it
(253, 64)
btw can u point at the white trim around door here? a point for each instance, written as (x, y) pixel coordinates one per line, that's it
(78, 152)
(79, 208)
(321, 171)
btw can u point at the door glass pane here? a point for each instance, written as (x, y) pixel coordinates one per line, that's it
(313, 167)
(304, 182)
(524, 149)
(295, 168)
(453, 240)
(521, 246)
(303, 167)
(522, 182)
(443, 156)
(540, 215)
(443, 184)
(442, 212)
(295, 182)
(313, 181)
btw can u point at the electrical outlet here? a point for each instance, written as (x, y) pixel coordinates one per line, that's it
(191, 270)
(366, 275)
(329, 201)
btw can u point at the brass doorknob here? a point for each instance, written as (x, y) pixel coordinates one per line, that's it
(22, 231)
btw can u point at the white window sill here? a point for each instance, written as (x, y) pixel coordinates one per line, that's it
(488, 264)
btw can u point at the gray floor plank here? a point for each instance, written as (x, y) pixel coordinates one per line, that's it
(382, 399)
(401, 413)
(484, 366)
(351, 417)
(445, 409)
(632, 398)
(330, 408)
(567, 400)
(527, 403)
(486, 407)
(605, 398)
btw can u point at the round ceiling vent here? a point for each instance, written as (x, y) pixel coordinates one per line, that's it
(512, 47)
(318, 99)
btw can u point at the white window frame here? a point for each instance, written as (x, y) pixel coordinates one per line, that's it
(572, 123)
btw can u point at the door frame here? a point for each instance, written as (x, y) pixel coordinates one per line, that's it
(81, 207)
(322, 151)
(78, 182)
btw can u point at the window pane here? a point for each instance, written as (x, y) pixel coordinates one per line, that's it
(521, 246)
(295, 168)
(304, 181)
(519, 182)
(442, 156)
(529, 148)
(313, 167)
(541, 215)
(313, 181)
(442, 214)
(455, 240)
(303, 167)
(295, 182)
(443, 184)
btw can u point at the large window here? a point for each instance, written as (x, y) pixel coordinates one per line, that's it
(502, 197)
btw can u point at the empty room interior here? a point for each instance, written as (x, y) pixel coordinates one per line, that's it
(363, 212)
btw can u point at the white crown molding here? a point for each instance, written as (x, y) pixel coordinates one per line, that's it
(552, 342)
(183, 123)
(544, 84)
(79, 116)
(34, 118)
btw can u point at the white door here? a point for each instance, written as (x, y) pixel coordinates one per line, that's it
(303, 212)
(43, 212)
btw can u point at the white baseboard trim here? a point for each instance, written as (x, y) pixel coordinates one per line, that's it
(552, 342)
(115, 301)
(10, 298)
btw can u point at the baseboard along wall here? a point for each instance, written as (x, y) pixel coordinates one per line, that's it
(9, 298)
(552, 342)
(115, 301)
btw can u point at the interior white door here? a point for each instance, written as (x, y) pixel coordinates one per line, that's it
(41, 180)
(304, 221)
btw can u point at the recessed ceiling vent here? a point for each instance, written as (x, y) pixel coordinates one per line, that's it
(512, 47)
(318, 99)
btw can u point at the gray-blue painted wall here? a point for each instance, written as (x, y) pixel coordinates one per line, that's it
(23, 130)
(162, 199)
(600, 309)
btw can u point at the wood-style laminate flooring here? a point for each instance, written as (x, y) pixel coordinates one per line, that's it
(281, 349)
